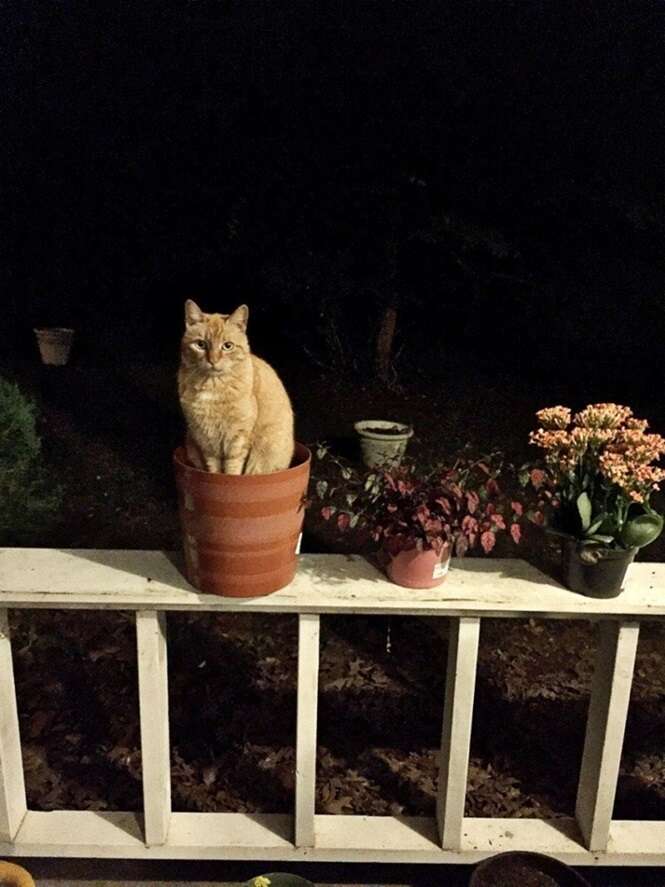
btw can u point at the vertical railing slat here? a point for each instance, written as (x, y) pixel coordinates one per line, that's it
(606, 723)
(456, 732)
(154, 717)
(13, 805)
(308, 687)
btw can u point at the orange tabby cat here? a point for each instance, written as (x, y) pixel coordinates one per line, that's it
(238, 413)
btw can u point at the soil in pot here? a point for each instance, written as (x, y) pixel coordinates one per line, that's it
(390, 430)
(525, 870)
(241, 532)
(382, 443)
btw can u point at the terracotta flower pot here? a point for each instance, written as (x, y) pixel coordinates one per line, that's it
(240, 532)
(14, 876)
(54, 345)
(593, 571)
(419, 569)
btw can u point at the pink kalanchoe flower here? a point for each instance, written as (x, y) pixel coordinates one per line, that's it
(602, 415)
(549, 440)
(636, 424)
(552, 418)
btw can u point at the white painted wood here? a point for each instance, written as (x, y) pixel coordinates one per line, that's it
(339, 839)
(150, 583)
(154, 718)
(456, 733)
(127, 580)
(308, 691)
(606, 722)
(12, 788)
(245, 831)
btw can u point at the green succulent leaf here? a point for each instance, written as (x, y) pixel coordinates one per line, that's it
(642, 530)
(584, 510)
(595, 526)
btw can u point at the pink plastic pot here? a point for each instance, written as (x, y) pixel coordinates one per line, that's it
(419, 569)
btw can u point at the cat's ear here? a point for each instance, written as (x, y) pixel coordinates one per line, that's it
(240, 317)
(193, 313)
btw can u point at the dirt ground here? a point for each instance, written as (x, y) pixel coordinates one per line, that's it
(108, 438)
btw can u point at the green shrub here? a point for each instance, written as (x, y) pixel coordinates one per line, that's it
(28, 501)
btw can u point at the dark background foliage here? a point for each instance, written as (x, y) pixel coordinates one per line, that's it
(463, 197)
(490, 171)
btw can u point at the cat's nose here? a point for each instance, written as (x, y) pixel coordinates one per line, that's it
(216, 361)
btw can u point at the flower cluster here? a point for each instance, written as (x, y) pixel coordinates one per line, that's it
(602, 416)
(554, 417)
(602, 453)
(400, 508)
(631, 473)
(605, 437)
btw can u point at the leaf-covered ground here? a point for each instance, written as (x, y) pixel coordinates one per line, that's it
(232, 700)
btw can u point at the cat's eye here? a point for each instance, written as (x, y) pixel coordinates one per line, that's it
(228, 346)
(201, 343)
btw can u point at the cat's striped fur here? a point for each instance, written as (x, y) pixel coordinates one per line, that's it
(238, 413)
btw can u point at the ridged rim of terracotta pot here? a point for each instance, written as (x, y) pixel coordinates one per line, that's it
(240, 532)
(302, 457)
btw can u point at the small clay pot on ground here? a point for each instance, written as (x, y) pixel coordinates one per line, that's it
(241, 532)
(13, 875)
(594, 571)
(419, 569)
(517, 869)
(382, 443)
(55, 344)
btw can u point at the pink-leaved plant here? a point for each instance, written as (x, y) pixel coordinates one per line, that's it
(401, 508)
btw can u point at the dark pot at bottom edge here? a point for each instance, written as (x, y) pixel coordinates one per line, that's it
(536, 863)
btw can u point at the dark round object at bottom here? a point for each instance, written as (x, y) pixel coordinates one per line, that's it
(522, 869)
(280, 879)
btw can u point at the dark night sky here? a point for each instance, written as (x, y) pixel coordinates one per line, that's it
(233, 150)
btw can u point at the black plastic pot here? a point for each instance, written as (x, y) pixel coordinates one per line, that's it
(513, 868)
(593, 571)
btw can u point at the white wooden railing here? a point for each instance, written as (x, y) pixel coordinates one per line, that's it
(150, 584)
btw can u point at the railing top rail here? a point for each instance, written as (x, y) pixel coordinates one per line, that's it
(325, 583)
